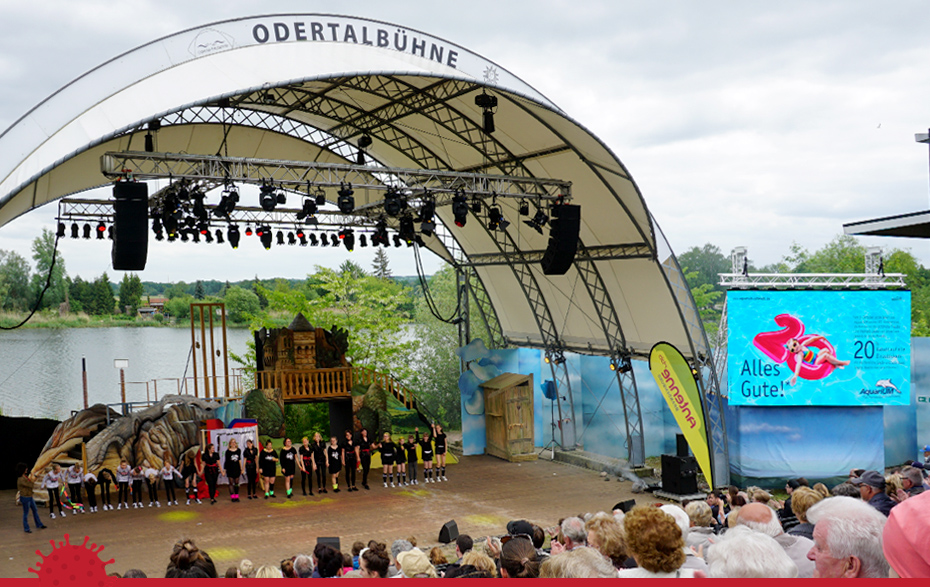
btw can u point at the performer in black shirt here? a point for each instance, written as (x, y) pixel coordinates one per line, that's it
(267, 460)
(306, 464)
(426, 450)
(250, 456)
(334, 456)
(350, 459)
(364, 453)
(211, 470)
(388, 454)
(410, 447)
(440, 438)
(319, 457)
(288, 465)
(232, 467)
(400, 461)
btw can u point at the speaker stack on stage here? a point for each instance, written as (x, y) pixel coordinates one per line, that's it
(679, 474)
(130, 225)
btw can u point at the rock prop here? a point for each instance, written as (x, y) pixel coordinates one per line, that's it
(371, 410)
(267, 408)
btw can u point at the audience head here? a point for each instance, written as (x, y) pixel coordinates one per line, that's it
(519, 559)
(605, 535)
(480, 561)
(847, 539)
(654, 540)
(135, 574)
(744, 554)
(463, 544)
(268, 572)
(822, 489)
(906, 537)
(573, 532)
(436, 556)
(581, 563)
(246, 568)
(539, 536)
(374, 561)
(802, 499)
(328, 560)
(189, 562)
(911, 477)
(870, 483)
(397, 547)
(416, 564)
(303, 566)
(845, 489)
(761, 518)
(680, 517)
(699, 514)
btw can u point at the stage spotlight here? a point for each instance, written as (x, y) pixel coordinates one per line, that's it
(280, 237)
(200, 211)
(300, 233)
(406, 231)
(524, 208)
(86, 231)
(363, 143)
(149, 143)
(219, 236)
(248, 230)
(61, 230)
(309, 209)
(303, 239)
(428, 228)
(313, 241)
(281, 198)
(208, 237)
(101, 231)
(427, 210)
(227, 203)
(324, 240)
(348, 238)
(184, 237)
(266, 197)
(380, 237)
(487, 103)
(264, 233)
(394, 203)
(459, 209)
(110, 232)
(362, 241)
(334, 239)
(204, 228)
(320, 197)
(496, 220)
(626, 365)
(232, 235)
(195, 236)
(291, 239)
(475, 205)
(346, 201)
(396, 240)
(75, 230)
(539, 220)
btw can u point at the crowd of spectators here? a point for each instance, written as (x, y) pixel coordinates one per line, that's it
(870, 526)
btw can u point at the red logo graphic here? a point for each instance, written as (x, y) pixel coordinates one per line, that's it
(68, 563)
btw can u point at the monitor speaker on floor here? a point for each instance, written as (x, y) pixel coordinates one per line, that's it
(449, 532)
(332, 541)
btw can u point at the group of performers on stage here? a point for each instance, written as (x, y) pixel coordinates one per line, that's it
(398, 459)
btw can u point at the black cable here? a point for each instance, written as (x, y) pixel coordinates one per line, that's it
(430, 302)
(48, 283)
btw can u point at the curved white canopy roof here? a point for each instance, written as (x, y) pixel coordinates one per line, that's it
(305, 85)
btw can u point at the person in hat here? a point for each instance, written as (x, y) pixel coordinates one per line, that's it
(906, 538)
(415, 564)
(871, 486)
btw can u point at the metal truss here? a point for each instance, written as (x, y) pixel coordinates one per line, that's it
(486, 310)
(300, 174)
(585, 254)
(721, 353)
(811, 280)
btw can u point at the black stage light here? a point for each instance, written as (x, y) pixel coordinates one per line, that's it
(363, 143)
(195, 236)
(266, 197)
(280, 237)
(334, 239)
(459, 209)
(476, 205)
(110, 232)
(184, 237)
(291, 239)
(406, 231)
(248, 230)
(300, 233)
(524, 208)
(203, 227)
(320, 197)
(309, 209)
(362, 241)
(427, 210)
(101, 231)
(219, 237)
(539, 220)
(207, 236)
(348, 238)
(281, 198)
(75, 230)
(86, 232)
(303, 239)
(200, 211)
(149, 143)
(232, 235)
(380, 237)
(324, 240)
(494, 218)
(313, 241)
(266, 237)
(487, 103)
(396, 240)
(346, 201)
(61, 230)
(428, 228)
(394, 203)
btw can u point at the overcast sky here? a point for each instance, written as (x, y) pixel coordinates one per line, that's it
(743, 123)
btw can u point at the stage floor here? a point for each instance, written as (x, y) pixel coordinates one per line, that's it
(482, 494)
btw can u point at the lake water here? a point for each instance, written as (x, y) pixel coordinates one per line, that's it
(40, 369)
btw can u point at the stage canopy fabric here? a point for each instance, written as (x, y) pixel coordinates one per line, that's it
(306, 87)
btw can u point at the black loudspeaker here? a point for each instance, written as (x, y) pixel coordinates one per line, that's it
(130, 226)
(563, 239)
(681, 445)
(679, 475)
(624, 506)
(329, 541)
(449, 532)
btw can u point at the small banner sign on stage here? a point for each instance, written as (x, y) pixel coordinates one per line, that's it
(673, 374)
(220, 439)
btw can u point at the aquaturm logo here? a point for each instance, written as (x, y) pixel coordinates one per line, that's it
(334, 31)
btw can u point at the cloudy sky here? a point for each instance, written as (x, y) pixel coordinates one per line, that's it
(744, 123)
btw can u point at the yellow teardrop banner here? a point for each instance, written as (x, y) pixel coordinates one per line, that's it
(673, 374)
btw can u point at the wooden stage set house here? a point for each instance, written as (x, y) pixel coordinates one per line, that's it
(508, 409)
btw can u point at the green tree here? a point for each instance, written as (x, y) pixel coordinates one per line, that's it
(706, 300)
(199, 291)
(380, 267)
(241, 304)
(101, 300)
(177, 290)
(130, 294)
(43, 251)
(257, 289)
(705, 262)
(14, 281)
(180, 307)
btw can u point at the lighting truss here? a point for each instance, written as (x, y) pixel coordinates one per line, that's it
(811, 280)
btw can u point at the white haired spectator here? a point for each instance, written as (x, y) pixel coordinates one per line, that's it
(847, 539)
(692, 561)
(397, 547)
(701, 518)
(574, 534)
(742, 553)
(303, 566)
(762, 518)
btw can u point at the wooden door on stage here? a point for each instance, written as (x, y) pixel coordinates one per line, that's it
(508, 409)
